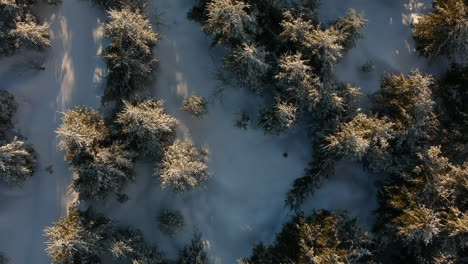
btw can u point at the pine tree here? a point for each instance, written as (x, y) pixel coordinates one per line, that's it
(351, 26)
(79, 237)
(229, 21)
(418, 225)
(196, 105)
(147, 127)
(444, 31)
(8, 108)
(278, 118)
(250, 64)
(183, 167)
(29, 34)
(129, 56)
(17, 162)
(170, 221)
(195, 253)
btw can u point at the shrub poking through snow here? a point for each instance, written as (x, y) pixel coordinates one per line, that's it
(196, 105)
(183, 167)
(8, 108)
(194, 253)
(170, 222)
(147, 127)
(17, 162)
(78, 237)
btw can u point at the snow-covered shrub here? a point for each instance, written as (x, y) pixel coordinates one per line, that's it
(170, 222)
(229, 21)
(78, 237)
(444, 31)
(129, 56)
(183, 167)
(194, 253)
(147, 126)
(8, 108)
(196, 105)
(250, 65)
(278, 118)
(17, 162)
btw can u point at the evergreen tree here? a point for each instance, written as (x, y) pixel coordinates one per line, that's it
(29, 34)
(3, 259)
(17, 162)
(351, 27)
(170, 222)
(229, 21)
(78, 237)
(129, 56)
(250, 64)
(147, 127)
(183, 167)
(195, 253)
(322, 238)
(8, 108)
(278, 118)
(196, 105)
(444, 31)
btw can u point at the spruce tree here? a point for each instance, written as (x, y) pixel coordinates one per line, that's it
(196, 105)
(278, 118)
(183, 167)
(8, 108)
(17, 162)
(170, 221)
(147, 127)
(194, 253)
(79, 237)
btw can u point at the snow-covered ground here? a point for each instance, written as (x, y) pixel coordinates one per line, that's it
(243, 202)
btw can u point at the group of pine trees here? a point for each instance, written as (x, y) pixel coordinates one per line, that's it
(17, 158)
(20, 28)
(86, 237)
(414, 132)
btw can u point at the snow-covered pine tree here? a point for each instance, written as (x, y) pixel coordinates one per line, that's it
(129, 55)
(79, 237)
(30, 34)
(147, 127)
(250, 64)
(183, 167)
(8, 108)
(351, 26)
(230, 22)
(82, 129)
(170, 221)
(278, 118)
(17, 162)
(196, 105)
(444, 31)
(194, 253)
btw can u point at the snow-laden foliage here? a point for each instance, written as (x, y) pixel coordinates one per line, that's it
(78, 237)
(170, 222)
(194, 253)
(229, 21)
(102, 166)
(147, 127)
(351, 26)
(129, 55)
(278, 118)
(183, 167)
(196, 105)
(250, 64)
(8, 108)
(17, 162)
(19, 28)
(129, 245)
(321, 238)
(444, 31)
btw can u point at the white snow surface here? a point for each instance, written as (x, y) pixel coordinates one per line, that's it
(243, 202)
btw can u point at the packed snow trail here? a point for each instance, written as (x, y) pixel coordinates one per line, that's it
(244, 201)
(68, 80)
